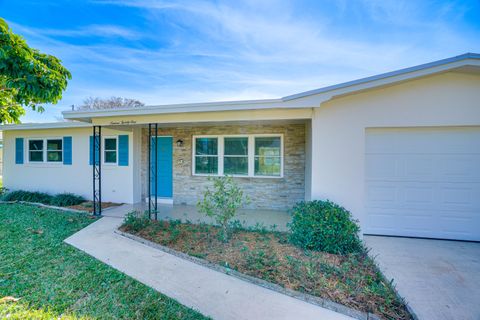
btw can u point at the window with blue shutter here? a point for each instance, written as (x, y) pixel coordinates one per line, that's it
(67, 150)
(91, 151)
(123, 150)
(18, 150)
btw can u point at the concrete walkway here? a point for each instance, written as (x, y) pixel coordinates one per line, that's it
(210, 292)
(439, 279)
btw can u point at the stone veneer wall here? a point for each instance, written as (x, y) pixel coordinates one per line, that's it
(264, 193)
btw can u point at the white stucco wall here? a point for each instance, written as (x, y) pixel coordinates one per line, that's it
(339, 125)
(117, 181)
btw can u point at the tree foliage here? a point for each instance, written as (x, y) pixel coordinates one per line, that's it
(92, 103)
(28, 78)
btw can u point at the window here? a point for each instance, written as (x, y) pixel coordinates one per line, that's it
(110, 153)
(267, 156)
(54, 150)
(235, 159)
(35, 150)
(206, 155)
(45, 150)
(249, 156)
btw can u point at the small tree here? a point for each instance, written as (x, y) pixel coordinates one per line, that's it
(222, 202)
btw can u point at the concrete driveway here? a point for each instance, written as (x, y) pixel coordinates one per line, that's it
(439, 279)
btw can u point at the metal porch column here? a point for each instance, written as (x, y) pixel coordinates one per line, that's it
(97, 170)
(152, 170)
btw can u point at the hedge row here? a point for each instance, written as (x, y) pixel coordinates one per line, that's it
(60, 200)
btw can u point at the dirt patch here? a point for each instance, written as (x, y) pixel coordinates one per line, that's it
(352, 280)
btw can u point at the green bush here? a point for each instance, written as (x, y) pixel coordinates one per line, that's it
(61, 200)
(20, 195)
(3, 191)
(324, 226)
(67, 199)
(135, 221)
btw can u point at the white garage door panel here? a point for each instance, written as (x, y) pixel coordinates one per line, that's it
(423, 183)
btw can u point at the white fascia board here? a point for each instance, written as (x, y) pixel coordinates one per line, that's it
(38, 126)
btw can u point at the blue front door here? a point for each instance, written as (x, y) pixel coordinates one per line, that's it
(164, 167)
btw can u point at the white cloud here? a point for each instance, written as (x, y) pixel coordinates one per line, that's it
(247, 50)
(94, 30)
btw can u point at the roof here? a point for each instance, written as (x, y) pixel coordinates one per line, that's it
(46, 125)
(307, 99)
(450, 63)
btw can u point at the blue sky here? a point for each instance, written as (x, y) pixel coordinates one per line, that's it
(163, 52)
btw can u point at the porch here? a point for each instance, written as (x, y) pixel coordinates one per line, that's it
(258, 218)
(170, 165)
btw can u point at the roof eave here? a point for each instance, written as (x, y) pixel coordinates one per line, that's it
(178, 108)
(396, 76)
(40, 126)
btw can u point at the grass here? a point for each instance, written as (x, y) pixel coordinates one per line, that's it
(20, 311)
(352, 280)
(53, 279)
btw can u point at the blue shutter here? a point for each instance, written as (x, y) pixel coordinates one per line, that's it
(91, 152)
(67, 150)
(18, 150)
(90, 148)
(123, 150)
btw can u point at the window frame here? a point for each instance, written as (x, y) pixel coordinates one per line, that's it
(58, 150)
(251, 154)
(194, 155)
(236, 156)
(37, 151)
(104, 150)
(44, 151)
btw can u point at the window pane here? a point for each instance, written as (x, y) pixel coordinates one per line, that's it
(35, 145)
(54, 144)
(206, 146)
(36, 156)
(54, 156)
(236, 146)
(206, 165)
(235, 165)
(110, 144)
(267, 146)
(267, 166)
(110, 157)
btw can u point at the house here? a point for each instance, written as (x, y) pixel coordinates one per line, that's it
(400, 150)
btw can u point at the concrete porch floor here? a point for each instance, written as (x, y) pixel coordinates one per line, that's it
(248, 217)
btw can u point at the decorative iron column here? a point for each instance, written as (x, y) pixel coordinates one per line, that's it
(97, 170)
(152, 170)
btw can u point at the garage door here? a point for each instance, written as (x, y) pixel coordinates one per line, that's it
(423, 182)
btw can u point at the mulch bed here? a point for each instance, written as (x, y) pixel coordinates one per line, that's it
(352, 280)
(88, 206)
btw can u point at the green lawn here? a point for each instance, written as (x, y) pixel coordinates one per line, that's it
(53, 278)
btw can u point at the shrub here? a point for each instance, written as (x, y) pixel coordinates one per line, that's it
(3, 191)
(67, 199)
(324, 226)
(61, 200)
(28, 196)
(222, 202)
(135, 221)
